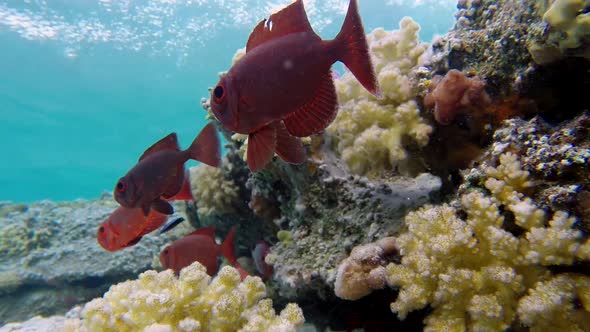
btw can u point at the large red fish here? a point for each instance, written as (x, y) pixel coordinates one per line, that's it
(200, 246)
(159, 174)
(125, 227)
(283, 89)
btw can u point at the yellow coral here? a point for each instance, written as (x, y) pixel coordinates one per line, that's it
(191, 302)
(368, 131)
(475, 274)
(570, 21)
(213, 193)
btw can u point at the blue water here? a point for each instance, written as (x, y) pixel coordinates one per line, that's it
(87, 85)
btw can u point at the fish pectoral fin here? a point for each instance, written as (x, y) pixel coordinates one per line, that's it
(169, 142)
(289, 20)
(289, 148)
(261, 147)
(162, 206)
(317, 113)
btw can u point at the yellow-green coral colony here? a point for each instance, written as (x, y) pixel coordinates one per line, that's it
(478, 276)
(368, 131)
(191, 302)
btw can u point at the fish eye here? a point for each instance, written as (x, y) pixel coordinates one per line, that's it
(165, 251)
(219, 93)
(120, 186)
(101, 229)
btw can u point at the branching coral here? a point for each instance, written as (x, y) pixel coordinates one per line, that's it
(368, 131)
(193, 302)
(476, 275)
(213, 193)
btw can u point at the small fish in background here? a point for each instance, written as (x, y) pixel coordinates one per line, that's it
(200, 246)
(159, 174)
(259, 254)
(170, 224)
(125, 227)
(282, 88)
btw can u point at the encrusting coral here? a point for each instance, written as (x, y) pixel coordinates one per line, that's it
(363, 271)
(213, 193)
(476, 275)
(369, 131)
(454, 93)
(191, 302)
(571, 23)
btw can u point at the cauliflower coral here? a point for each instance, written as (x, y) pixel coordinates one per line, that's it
(368, 131)
(213, 193)
(191, 302)
(476, 275)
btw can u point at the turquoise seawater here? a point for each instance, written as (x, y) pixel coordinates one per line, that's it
(87, 85)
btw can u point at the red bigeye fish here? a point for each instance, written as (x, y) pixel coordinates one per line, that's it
(200, 246)
(258, 254)
(159, 174)
(125, 227)
(283, 89)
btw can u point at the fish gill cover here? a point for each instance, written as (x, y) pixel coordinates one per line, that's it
(86, 85)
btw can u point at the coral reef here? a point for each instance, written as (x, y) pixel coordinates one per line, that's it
(454, 93)
(59, 260)
(368, 132)
(556, 155)
(363, 271)
(568, 33)
(213, 193)
(475, 273)
(193, 302)
(328, 212)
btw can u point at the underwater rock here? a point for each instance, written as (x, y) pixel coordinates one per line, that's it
(328, 211)
(557, 158)
(52, 261)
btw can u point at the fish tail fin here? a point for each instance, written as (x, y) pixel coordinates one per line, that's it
(353, 49)
(227, 247)
(206, 148)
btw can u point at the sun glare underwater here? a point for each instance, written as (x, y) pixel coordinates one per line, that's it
(87, 85)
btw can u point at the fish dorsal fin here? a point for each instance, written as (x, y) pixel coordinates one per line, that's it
(207, 231)
(261, 147)
(169, 142)
(289, 20)
(317, 113)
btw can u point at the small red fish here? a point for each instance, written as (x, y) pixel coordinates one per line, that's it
(283, 89)
(200, 246)
(125, 227)
(159, 174)
(259, 254)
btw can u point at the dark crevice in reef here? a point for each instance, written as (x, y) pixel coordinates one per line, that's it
(371, 314)
(560, 89)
